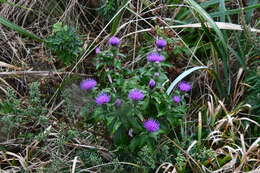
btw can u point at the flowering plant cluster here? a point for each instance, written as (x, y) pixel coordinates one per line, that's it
(132, 106)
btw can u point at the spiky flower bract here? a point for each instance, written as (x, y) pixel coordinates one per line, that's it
(161, 43)
(102, 98)
(136, 95)
(114, 41)
(118, 102)
(176, 99)
(97, 50)
(151, 125)
(152, 83)
(155, 57)
(184, 86)
(88, 84)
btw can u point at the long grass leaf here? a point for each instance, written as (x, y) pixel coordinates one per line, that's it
(182, 76)
(236, 11)
(117, 19)
(207, 18)
(222, 10)
(203, 5)
(20, 30)
(249, 13)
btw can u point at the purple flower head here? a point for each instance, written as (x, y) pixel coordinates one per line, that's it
(114, 41)
(135, 95)
(161, 43)
(176, 99)
(155, 57)
(152, 83)
(151, 125)
(102, 98)
(184, 86)
(88, 84)
(118, 102)
(97, 50)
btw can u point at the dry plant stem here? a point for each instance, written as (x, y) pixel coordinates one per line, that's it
(110, 78)
(88, 147)
(185, 153)
(19, 158)
(169, 166)
(135, 36)
(111, 163)
(7, 84)
(74, 164)
(193, 53)
(101, 135)
(236, 93)
(37, 73)
(164, 6)
(55, 108)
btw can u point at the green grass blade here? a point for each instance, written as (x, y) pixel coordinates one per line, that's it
(210, 3)
(203, 5)
(20, 30)
(249, 13)
(218, 82)
(117, 19)
(182, 76)
(207, 18)
(222, 10)
(240, 59)
(236, 11)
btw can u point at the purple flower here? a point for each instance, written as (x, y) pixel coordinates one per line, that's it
(88, 84)
(118, 102)
(114, 41)
(151, 125)
(152, 83)
(161, 43)
(136, 95)
(102, 99)
(155, 57)
(97, 50)
(176, 99)
(184, 86)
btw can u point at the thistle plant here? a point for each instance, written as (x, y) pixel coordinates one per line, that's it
(131, 106)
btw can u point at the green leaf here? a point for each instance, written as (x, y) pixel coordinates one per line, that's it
(116, 126)
(120, 137)
(138, 142)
